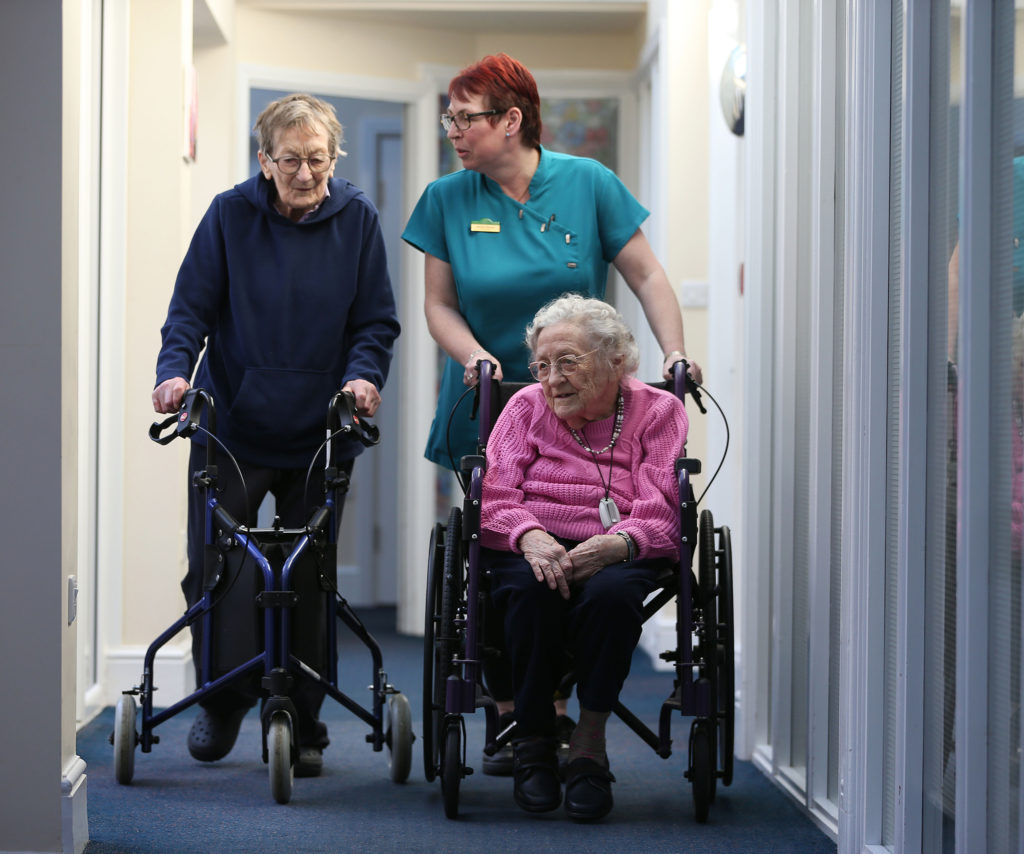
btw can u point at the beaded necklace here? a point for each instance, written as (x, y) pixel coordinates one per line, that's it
(607, 507)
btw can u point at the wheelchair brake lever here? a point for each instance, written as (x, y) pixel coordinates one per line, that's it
(694, 391)
(690, 386)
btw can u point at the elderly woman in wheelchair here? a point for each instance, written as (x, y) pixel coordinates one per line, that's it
(579, 516)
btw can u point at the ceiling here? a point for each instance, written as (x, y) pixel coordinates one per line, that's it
(518, 16)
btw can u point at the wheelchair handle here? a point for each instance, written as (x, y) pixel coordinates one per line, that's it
(684, 384)
(484, 399)
(343, 419)
(187, 419)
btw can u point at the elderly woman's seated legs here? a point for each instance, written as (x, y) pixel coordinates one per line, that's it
(534, 617)
(601, 624)
(605, 623)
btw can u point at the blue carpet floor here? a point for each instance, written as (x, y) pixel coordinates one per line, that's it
(176, 805)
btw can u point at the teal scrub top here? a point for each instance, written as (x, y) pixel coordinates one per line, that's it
(508, 259)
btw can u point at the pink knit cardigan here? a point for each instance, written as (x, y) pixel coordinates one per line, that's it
(538, 476)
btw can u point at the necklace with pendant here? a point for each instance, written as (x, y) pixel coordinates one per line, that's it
(607, 507)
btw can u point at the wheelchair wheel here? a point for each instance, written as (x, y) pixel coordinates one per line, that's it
(451, 596)
(279, 757)
(702, 767)
(125, 738)
(433, 710)
(399, 737)
(707, 595)
(726, 659)
(441, 636)
(451, 766)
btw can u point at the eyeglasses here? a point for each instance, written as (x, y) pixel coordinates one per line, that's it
(290, 163)
(463, 120)
(565, 365)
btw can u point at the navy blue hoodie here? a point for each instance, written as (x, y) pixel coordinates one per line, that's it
(289, 312)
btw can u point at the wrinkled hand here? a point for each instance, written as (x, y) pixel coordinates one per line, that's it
(694, 370)
(471, 376)
(548, 559)
(593, 555)
(366, 395)
(167, 396)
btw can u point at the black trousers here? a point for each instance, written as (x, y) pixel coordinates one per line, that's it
(594, 632)
(236, 613)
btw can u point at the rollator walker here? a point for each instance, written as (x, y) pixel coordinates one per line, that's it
(286, 569)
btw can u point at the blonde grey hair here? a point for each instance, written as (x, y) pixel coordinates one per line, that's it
(602, 325)
(299, 110)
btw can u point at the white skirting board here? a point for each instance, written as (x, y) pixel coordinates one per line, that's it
(173, 674)
(74, 807)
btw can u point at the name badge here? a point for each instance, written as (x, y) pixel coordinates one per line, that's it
(491, 226)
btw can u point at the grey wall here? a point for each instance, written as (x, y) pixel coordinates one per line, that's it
(30, 427)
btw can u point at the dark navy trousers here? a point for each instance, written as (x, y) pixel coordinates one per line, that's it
(593, 633)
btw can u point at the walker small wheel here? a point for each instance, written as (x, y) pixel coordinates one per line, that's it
(399, 737)
(702, 768)
(451, 766)
(279, 757)
(125, 739)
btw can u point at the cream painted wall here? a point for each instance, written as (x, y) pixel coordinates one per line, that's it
(343, 45)
(213, 170)
(158, 220)
(685, 253)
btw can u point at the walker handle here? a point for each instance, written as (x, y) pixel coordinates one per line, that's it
(343, 418)
(194, 401)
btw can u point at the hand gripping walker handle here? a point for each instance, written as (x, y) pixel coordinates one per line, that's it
(187, 418)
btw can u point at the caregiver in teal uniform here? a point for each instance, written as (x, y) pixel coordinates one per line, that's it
(517, 227)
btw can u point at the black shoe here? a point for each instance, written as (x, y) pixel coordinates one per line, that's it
(502, 763)
(213, 734)
(537, 788)
(310, 762)
(588, 790)
(564, 725)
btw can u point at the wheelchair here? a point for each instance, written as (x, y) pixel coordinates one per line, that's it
(703, 657)
(284, 572)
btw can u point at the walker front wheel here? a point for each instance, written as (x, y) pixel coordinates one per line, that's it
(125, 739)
(399, 737)
(279, 757)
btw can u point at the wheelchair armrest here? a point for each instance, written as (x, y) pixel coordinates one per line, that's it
(470, 462)
(691, 465)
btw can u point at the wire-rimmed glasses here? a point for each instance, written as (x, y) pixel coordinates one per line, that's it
(566, 365)
(289, 164)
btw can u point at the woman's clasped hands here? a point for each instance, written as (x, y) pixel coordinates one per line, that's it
(553, 565)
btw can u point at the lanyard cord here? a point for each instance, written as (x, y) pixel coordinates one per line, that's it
(620, 408)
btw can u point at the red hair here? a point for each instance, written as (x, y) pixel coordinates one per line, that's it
(502, 82)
